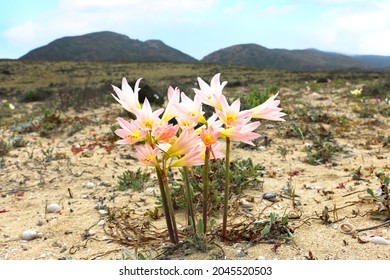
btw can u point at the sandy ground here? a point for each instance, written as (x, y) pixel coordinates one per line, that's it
(29, 182)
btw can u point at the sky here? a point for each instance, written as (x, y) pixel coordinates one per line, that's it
(199, 27)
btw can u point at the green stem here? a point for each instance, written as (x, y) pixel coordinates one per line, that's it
(168, 217)
(206, 171)
(188, 194)
(227, 180)
(170, 205)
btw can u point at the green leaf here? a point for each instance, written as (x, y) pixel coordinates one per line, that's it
(371, 193)
(200, 227)
(265, 231)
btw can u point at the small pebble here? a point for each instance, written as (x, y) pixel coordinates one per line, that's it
(53, 208)
(103, 212)
(308, 145)
(84, 196)
(56, 244)
(312, 187)
(40, 223)
(261, 258)
(245, 204)
(90, 185)
(101, 223)
(99, 206)
(29, 235)
(270, 196)
(379, 240)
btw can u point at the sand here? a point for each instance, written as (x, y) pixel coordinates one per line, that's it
(30, 180)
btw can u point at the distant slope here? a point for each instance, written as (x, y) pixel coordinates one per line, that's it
(107, 46)
(301, 60)
(373, 60)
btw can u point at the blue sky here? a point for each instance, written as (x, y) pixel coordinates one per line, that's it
(198, 27)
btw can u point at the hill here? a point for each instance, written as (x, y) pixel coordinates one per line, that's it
(107, 46)
(373, 60)
(302, 60)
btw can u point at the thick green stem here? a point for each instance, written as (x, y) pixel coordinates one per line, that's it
(170, 206)
(188, 194)
(169, 215)
(227, 181)
(206, 171)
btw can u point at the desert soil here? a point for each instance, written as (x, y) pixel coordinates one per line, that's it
(29, 181)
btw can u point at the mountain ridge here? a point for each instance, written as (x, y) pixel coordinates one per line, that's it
(107, 46)
(111, 46)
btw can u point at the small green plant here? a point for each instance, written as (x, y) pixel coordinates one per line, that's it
(320, 152)
(256, 98)
(132, 180)
(18, 142)
(245, 174)
(34, 95)
(50, 123)
(357, 174)
(274, 228)
(30, 153)
(283, 151)
(48, 155)
(77, 126)
(381, 196)
(126, 254)
(5, 147)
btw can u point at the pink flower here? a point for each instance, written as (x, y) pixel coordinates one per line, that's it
(189, 112)
(210, 94)
(127, 97)
(269, 110)
(231, 115)
(244, 134)
(147, 118)
(165, 132)
(147, 155)
(184, 143)
(209, 136)
(173, 100)
(130, 132)
(191, 158)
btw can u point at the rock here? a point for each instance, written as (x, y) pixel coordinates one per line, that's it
(99, 206)
(90, 185)
(29, 234)
(103, 212)
(379, 240)
(101, 223)
(270, 196)
(245, 204)
(312, 187)
(53, 208)
(308, 145)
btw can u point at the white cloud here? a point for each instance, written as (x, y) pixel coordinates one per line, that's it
(275, 11)
(234, 9)
(363, 29)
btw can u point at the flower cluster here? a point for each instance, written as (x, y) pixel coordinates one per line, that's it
(356, 92)
(181, 136)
